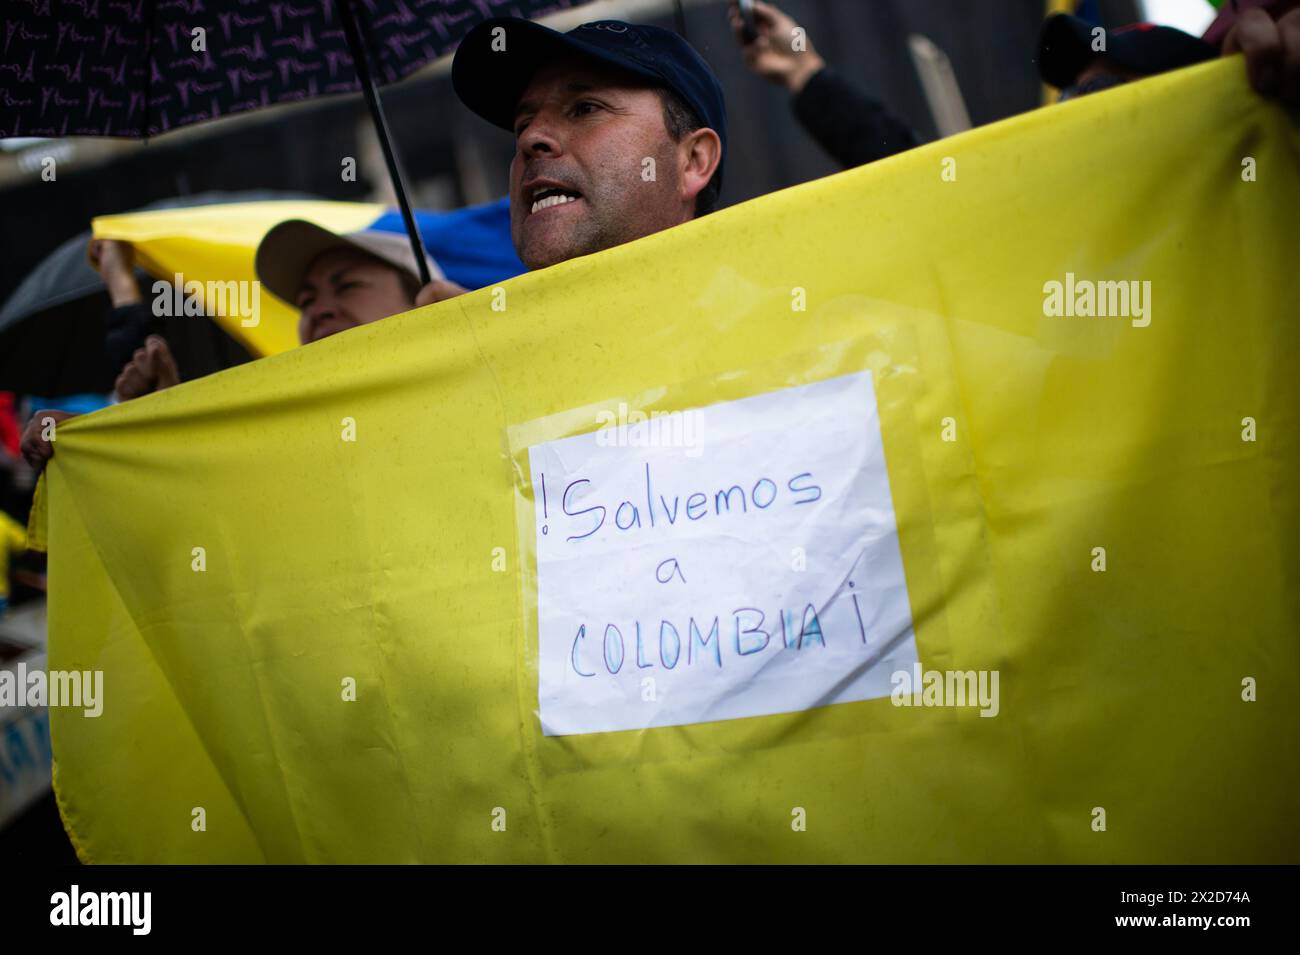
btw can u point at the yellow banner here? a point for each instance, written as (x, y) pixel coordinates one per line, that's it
(311, 582)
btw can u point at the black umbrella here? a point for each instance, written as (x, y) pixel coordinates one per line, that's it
(137, 68)
(52, 326)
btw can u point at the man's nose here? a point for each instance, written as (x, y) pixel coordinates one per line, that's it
(541, 138)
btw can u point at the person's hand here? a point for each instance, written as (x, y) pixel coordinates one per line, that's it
(1272, 50)
(437, 291)
(38, 437)
(111, 256)
(114, 260)
(152, 368)
(773, 54)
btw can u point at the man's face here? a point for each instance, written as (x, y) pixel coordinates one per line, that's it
(583, 135)
(344, 288)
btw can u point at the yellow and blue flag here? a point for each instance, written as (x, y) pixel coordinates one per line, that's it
(217, 243)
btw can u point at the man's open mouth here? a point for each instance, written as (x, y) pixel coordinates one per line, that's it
(549, 197)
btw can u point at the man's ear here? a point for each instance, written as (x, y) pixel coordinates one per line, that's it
(702, 152)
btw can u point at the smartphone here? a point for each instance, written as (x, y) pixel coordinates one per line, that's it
(748, 29)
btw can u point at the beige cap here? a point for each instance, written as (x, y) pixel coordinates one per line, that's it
(287, 251)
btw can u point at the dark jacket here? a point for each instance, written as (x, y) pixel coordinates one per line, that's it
(849, 124)
(125, 329)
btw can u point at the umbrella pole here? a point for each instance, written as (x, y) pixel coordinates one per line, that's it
(352, 30)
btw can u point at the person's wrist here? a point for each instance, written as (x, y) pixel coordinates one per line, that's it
(123, 289)
(809, 65)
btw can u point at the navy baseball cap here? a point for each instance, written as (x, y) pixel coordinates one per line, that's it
(490, 81)
(1065, 48)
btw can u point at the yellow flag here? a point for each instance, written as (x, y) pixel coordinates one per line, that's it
(1040, 377)
(196, 249)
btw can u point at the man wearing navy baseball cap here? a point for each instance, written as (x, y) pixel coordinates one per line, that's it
(1079, 57)
(620, 130)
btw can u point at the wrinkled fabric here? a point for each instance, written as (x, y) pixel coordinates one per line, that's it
(1020, 445)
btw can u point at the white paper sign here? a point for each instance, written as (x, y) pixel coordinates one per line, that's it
(729, 561)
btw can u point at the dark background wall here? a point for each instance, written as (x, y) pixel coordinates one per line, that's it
(453, 158)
